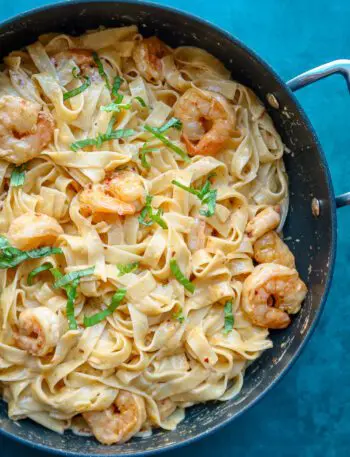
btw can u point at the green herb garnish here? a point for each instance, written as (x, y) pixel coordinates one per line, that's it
(175, 269)
(72, 276)
(206, 195)
(174, 122)
(101, 138)
(116, 86)
(76, 72)
(101, 70)
(44, 267)
(18, 176)
(143, 151)
(127, 268)
(179, 316)
(78, 90)
(229, 319)
(11, 257)
(98, 317)
(141, 101)
(116, 107)
(167, 142)
(148, 217)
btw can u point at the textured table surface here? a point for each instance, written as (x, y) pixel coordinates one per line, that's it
(308, 413)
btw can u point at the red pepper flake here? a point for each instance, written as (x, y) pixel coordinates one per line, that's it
(206, 360)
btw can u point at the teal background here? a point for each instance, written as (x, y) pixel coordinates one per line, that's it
(308, 413)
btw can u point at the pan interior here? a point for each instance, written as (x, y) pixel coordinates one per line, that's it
(311, 239)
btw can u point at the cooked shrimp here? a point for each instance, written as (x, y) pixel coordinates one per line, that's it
(119, 422)
(82, 57)
(147, 56)
(269, 248)
(25, 130)
(270, 293)
(38, 330)
(32, 230)
(208, 121)
(266, 220)
(123, 194)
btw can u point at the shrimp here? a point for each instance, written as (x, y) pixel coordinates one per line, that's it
(266, 220)
(25, 129)
(147, 56)
(119, 422)
(38, 331)
(270, 293)
(269, 248)
(123, 193)
(32, 230)
(82, 57)
(208, 121)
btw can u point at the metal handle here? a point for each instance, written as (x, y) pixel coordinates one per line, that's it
(341, 66)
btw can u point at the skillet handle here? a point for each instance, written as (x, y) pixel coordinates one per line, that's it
(341, 66)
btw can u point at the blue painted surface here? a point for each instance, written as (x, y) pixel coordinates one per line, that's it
(308, 413)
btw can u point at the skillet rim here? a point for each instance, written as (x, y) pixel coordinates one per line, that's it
(332, 208)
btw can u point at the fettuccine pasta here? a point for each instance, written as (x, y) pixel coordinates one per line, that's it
(142, 193)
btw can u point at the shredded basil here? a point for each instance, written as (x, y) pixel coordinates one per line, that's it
(175, 269)
(44, 267)
(72, 276)
(78, 90)
(71, 290)
(18, 176)
(205, 194)
(141, 101)
(116, 86)
(167, 142)
(127, 268)
(101, 138)
(148, 217)
(75, 72)
(116, 107)
(98, 317)
(229, 319)
(179, 316)
(174, 122)
(11, 257)
(101, 70)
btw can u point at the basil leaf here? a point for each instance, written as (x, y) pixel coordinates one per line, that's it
(175, 269)
(167, 142)
(72, 276)
(191, 190)
(141, 101)
(18, 176)
(229, 319)
(101, 138)
(101, 69)
(98, 317)
(116, 86)
(127, 268)
(77, 90)
(206, 195)
(210, 199)
(115, 107)
(174, 122)
(82, 144)
(44, 267)
(144, 150)
(179, 316)
(71, 294)
(147, 212)
(4, 243)
(11, 257)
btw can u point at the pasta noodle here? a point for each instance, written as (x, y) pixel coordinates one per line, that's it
(135, 181)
